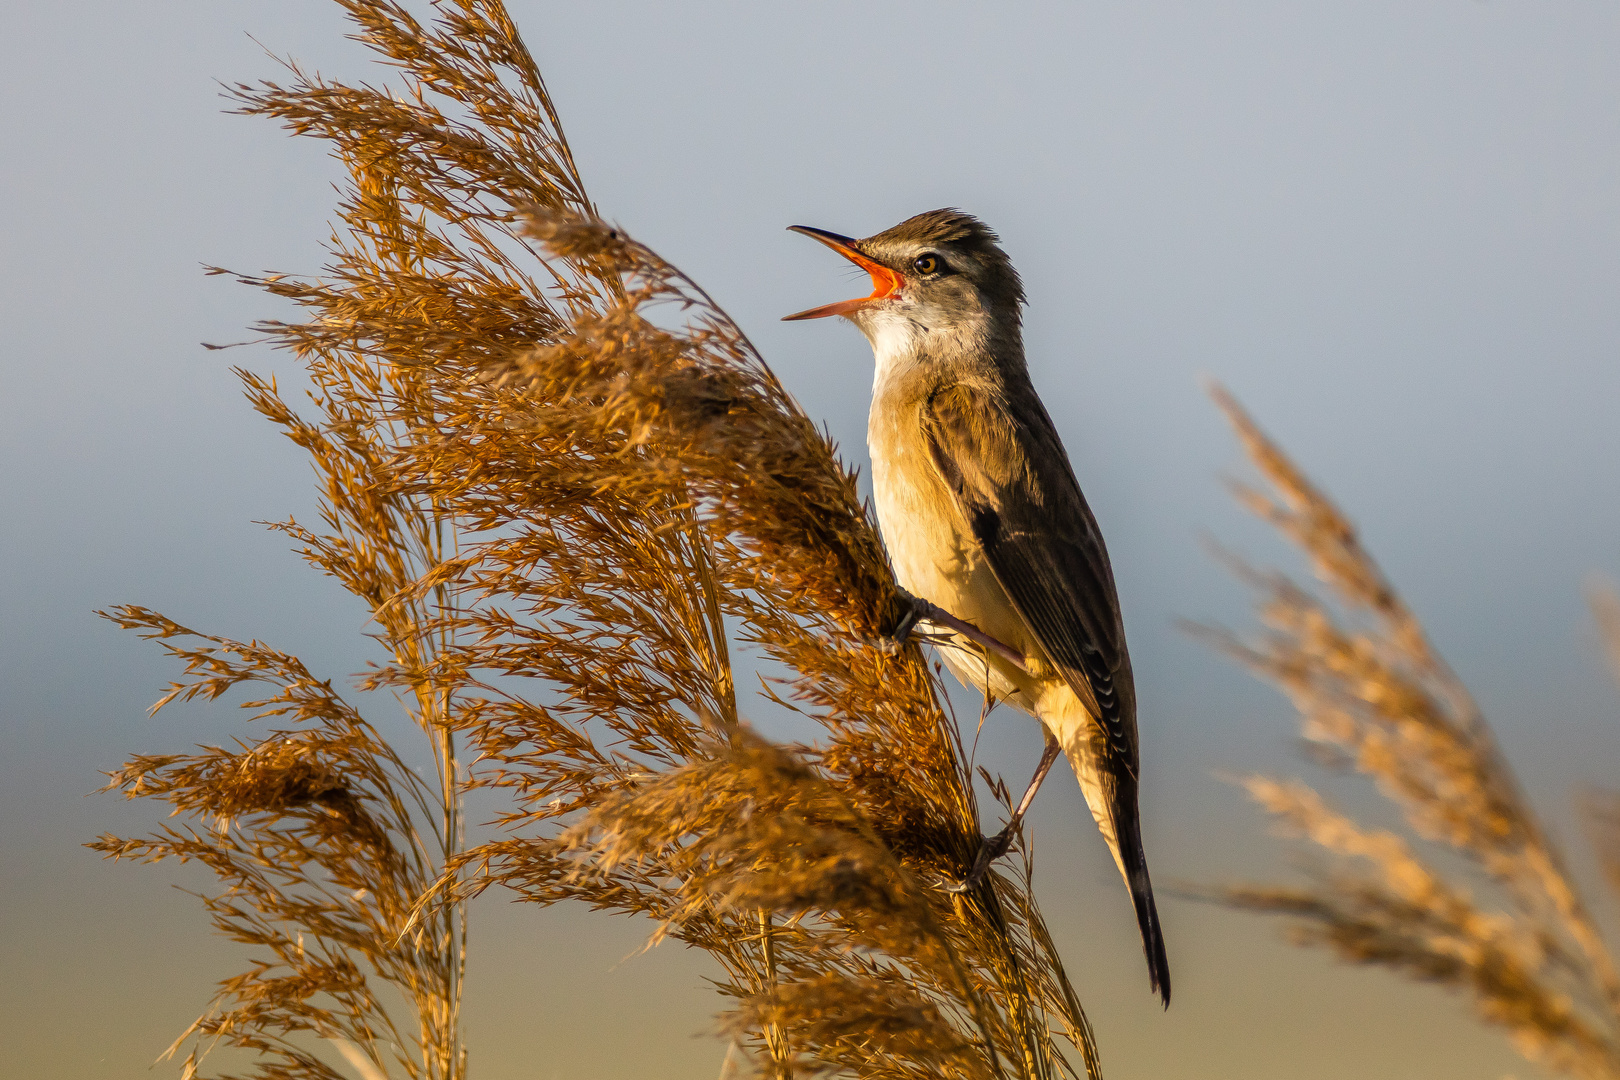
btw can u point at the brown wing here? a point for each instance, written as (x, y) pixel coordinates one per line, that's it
(1001, 457)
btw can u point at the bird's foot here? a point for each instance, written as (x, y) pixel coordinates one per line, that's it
(916, 611)
(920, 610)
(990, 849)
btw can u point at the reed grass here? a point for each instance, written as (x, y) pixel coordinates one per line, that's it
(322, 841)
(568, 487)
(1506, 924)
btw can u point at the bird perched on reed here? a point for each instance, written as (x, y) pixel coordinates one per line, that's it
(985, 522)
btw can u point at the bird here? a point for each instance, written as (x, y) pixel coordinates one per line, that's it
(985, 524)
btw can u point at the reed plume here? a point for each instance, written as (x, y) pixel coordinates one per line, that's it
(1510, 930)
(569, 487)
(322, 840)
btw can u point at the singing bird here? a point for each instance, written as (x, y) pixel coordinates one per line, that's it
(985, 523)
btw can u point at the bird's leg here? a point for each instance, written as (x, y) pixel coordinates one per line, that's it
(919, 610)
(994, 847)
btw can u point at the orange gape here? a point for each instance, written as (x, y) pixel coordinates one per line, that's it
(885, 283)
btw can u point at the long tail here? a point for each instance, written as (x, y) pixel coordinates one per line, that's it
(1110, 791)
(1132, 861)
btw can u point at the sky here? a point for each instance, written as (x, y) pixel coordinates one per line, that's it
(1390, 228)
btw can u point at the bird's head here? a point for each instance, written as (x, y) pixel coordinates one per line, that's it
(936, 271)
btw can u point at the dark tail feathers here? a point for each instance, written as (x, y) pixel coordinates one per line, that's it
(1147, 914)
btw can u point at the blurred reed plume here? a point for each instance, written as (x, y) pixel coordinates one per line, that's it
(566, 485)
(322, 840)
(1508, 927)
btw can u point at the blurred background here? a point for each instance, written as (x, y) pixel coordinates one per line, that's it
(1391, 229)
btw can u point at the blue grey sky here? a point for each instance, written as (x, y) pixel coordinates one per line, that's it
(1392, 229)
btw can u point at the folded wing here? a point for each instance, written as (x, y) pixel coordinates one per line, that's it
(997, 451)
(1000, 456)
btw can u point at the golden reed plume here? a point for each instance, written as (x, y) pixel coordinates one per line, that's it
(1375, 697)
(565, 484)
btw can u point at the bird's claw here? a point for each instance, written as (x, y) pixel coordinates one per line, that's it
(916, 611)
(991, 848)
(919, 610)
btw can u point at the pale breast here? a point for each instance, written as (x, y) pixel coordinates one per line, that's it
(935, 556)
(925, 535)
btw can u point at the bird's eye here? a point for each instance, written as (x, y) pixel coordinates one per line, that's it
(928, 264)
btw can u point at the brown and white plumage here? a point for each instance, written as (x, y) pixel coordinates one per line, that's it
(983, 516)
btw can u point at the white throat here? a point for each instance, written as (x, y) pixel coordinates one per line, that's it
(899, 336)
(895, 339)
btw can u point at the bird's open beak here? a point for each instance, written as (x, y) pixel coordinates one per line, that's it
(885, 282)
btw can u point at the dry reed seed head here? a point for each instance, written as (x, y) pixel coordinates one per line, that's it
(1302, 811)
(277, 776)
(750, 800)
(702, 424)
(572, 237)
(1311, 520)
(422, 287)
(793, 870)
(610, 374)
(143, 775)
(1369, 698)
(793, 846)
(1384, 700)
(1506, 979)
(855, 1023)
